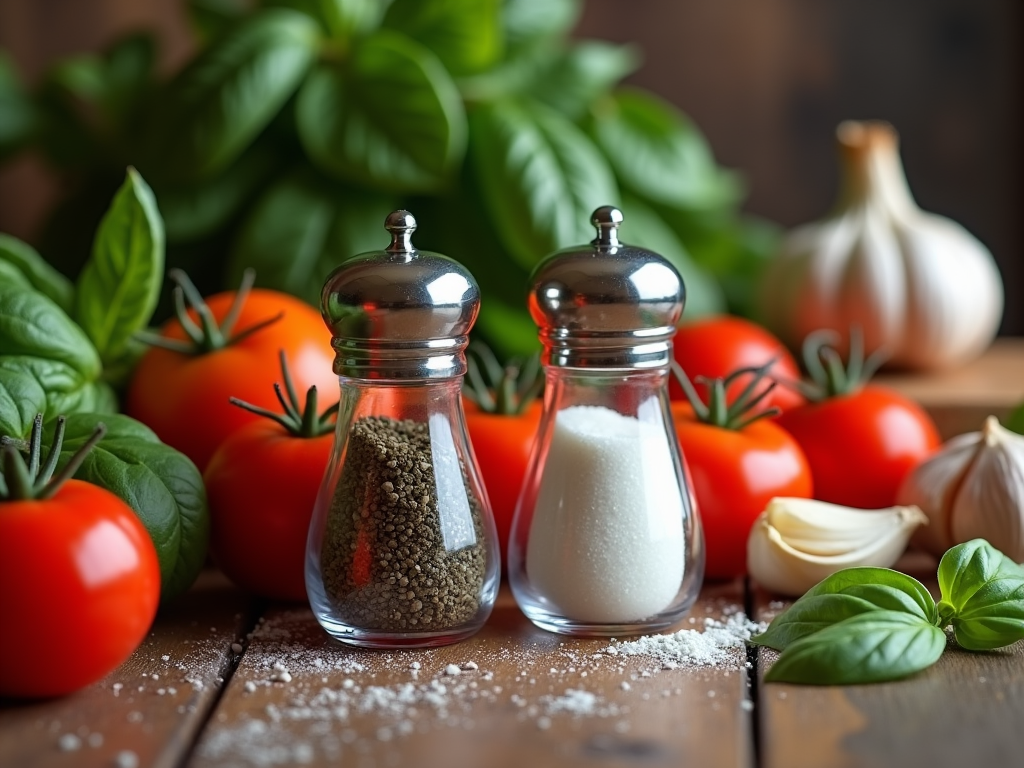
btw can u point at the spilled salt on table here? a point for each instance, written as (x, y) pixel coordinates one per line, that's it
(338, 700)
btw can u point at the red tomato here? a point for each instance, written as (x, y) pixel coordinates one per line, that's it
(262, 483)
(735, 473)
(184, 398)
(714, 347)
(861, 445)
(502, 447)
(79, 587)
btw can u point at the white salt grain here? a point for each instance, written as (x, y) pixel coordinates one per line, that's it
(451, 669)
(606, 540)
(69, 743)
(126, 759)
(236, 647)
(95, 740)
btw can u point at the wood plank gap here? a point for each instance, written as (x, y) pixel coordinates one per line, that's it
(229, 666)
(753, 674)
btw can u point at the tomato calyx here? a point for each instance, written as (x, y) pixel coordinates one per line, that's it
(207, 335)
(34, 479)
(830, 377)
(300, 419)
(718, 411)
(504, 390)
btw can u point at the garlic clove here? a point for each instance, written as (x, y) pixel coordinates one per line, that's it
(932, 485)
(796, 543)
(973, 487)
(989, 503)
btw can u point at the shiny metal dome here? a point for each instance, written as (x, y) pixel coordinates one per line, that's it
(400, 313)
(606, 305)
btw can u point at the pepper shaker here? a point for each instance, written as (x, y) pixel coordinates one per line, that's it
(402, 549)
(606, 539)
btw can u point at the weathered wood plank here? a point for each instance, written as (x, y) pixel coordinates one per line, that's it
(959, 400)
(152, 706)
(340, 704)
(965, 710)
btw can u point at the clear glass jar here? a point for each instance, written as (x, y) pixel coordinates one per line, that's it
(402, 546)
(605, 540)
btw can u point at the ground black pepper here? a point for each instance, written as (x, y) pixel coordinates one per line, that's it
(390, 560)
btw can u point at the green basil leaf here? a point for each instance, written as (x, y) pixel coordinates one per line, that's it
(198, 210)
(21, 398)
(161, 485)
(809, 615)
(540, 177)
(982, 596)
(529, 21)
(120, 284)
(848, 593)
(67, 390)
(642, 226)
(33, 325)
(465, 34)
(392, 119)
(302, 228)
(993, 617)
(38, 274)
(868, 648)
(581, 73)
(343, 20)
(965, 569)
(1015, 421)
(659, 153)
(218, 104)
(17, 115)
(212, 18)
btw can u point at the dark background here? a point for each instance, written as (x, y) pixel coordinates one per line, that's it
(767, 81)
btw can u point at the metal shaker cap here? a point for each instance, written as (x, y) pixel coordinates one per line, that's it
(606, 305)
(400, 313)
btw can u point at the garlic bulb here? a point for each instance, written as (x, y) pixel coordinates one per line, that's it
(796, 543)
(918, 285)
(973, 488)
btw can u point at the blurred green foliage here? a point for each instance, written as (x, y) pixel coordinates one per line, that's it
(300, 124)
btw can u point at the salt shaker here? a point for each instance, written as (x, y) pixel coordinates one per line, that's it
(402, 549)
(606, 539)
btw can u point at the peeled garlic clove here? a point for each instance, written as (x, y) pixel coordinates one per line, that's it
(796, 543)
(973, 488)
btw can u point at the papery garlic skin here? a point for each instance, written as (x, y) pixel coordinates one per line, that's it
(918, 285)
(796, 543)
(972, 488)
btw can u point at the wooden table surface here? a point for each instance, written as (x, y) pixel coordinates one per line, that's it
(225, 679)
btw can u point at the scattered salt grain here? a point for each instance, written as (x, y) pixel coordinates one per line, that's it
(414, 665)
(165, 657)
(470, 665)
(95, 740)
(543, 723)
(250, 686)
(69, 743)
(452, 669)
(126, 759)
(236, 647)
(624, 685)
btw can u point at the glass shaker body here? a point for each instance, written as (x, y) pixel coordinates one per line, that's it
(402, 548)
(605, 539)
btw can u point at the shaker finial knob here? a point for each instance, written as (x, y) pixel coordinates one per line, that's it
(401, 225)
(607, 219)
